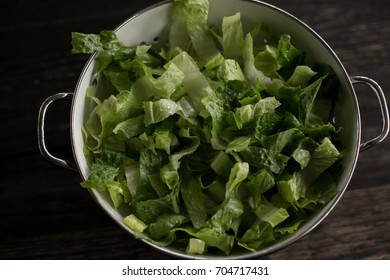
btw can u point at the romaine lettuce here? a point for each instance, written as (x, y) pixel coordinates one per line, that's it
(212, 140)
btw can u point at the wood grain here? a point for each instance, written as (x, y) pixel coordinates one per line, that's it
(45, 214)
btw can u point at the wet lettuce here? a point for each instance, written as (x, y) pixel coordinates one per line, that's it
(212, 141)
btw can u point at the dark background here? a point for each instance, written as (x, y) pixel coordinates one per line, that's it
(45, 214)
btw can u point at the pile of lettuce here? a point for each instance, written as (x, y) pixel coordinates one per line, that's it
(211, 142)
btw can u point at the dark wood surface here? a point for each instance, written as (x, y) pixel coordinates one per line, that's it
(45, 214)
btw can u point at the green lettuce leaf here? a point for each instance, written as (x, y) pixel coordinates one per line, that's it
(264, 158)
(157, 111)
(195, 84)
(222, 220)
(232, 36)
(252, 74)
(222, 164)
(320, 192)
(266, 61)
(248, 113)
(196, 246)
(258, 185)
(190, 22)
(134, 223)
(287, 54)
(91, 43)
(291, 187)
(164, 223)
(101, 174)
(169, 172)
(230, 70)
(324, 156)
(112, 111)
(301, 76)
(130, 127)
(215, 107)
(193, 199)
(212, 238)
(271, 214)
(104, 170)
(259, 235)
(238, 173)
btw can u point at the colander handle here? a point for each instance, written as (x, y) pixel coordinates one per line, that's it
(41, 131)
(384, 111)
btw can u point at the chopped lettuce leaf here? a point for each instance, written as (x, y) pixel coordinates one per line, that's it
(253, 74)
(134, 223)
(324, 156)
(189, 21)
(271, 214)
(301, 76)
(257, 236)
(130, 127)
(169, 82)
(302, 157)
(321, 191)
(216, 110)
(239, 144)
(259, 184)
(221, 164)
(194, 82)
(164, 224)
(264, 158)
(286, 53)
(249, 112)
(230, 70)
(116, 193)
(232, 36)
(196, 246)
(100, 175)
(86, 43)
(212, 238)
(222, 220)
(193, 199)
(238, 173)
(266, 61)
(157, 111)
(291, 187)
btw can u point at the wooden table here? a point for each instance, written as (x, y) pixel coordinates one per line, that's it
(45, 214)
